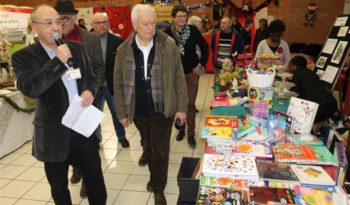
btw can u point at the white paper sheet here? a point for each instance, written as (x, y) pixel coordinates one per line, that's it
(329, 46)
(341, 21)
(83, 120)
(330, 74)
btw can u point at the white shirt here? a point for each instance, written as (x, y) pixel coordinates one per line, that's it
(145, 51)
(284, 56)
(71, 85)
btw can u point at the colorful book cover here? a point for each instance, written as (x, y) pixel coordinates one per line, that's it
(340, 156)
(268, 196)
(312, 175)
(288, 119)
(226, 182)
(290, 152)
(243, 148)
(307, 139)
(216, 132)
(304, 113)
(260, 94)
(324, 156)
(270, 170)
(221, 196)
(235, 166)
(218, 121)
(305, 195)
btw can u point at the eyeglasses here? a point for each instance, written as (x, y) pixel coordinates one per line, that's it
(65, 19)
(48, 24)
(100, 22)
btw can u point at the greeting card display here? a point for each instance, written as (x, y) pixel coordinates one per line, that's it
(289, 152)
(226, 182)
(218, 121)
(216, 132)
(237, 167)
(304, 113)
(260, 109)
(260, 94)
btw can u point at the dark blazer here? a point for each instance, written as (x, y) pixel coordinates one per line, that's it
(39, 77)
(92, 45)
(113, 42)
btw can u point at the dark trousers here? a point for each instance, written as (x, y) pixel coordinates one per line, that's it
(156, 132)
(85, 152)
(192, 81)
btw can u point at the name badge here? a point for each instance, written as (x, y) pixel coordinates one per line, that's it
(73, 74)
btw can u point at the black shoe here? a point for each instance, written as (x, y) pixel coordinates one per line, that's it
(143, 160)
(197, 111)
(83, 192)
(124, 142)
(191, 141)
(180, 135)
(149, 187)
(159, 198)
(76, 176)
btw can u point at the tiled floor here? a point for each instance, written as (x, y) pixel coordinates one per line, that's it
(23, 181)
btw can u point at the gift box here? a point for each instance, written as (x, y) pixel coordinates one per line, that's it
(260, 94)
(260, 109)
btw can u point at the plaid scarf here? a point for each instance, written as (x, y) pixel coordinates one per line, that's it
(156, 80)
(181, 38)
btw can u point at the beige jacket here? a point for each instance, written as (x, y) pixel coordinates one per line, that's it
(174, 88)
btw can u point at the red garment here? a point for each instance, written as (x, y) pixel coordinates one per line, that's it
(216, 49)
(74, 35)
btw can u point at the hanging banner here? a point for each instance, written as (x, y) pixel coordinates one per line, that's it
(119, 19)
(14, 18)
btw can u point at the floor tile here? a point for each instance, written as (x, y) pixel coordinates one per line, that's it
(176, 157)
(120, 167)
(171, 187)
(40, 191)
(136, 183)
(141, 170)
(24, 149)
(105, 163)
(38, 164)
(111, 144)
(111, 197)
(132, 197)
(10, 158)
(32, 174)
(170, 198)
(25, 160)
(16, 189)
(75, 194)
(7, 201)
(3, 182)
(30, 202)
(2, 166)
(181, 146)
(115, 181)
(12, 171)
(127, 155)
(173, 170)
(108, 153)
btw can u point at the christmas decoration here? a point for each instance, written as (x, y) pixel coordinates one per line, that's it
(311, 14)
(247, 6)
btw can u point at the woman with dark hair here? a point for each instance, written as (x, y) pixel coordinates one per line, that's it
(274, 45)
(309, 87)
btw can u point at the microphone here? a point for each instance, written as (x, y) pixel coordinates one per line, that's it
(57, 38)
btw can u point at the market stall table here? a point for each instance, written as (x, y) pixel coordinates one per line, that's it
(15, 126)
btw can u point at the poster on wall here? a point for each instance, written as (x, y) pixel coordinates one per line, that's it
(86, 14)
(14, 22)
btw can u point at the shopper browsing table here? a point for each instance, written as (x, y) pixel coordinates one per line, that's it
(41, 71)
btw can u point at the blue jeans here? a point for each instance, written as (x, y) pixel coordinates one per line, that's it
(105, 95)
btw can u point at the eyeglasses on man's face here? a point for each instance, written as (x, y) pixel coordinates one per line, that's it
(49, 23)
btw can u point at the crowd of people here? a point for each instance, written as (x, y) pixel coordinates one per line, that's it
(151, 79)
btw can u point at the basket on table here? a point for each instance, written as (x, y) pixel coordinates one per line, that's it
(260, 80)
